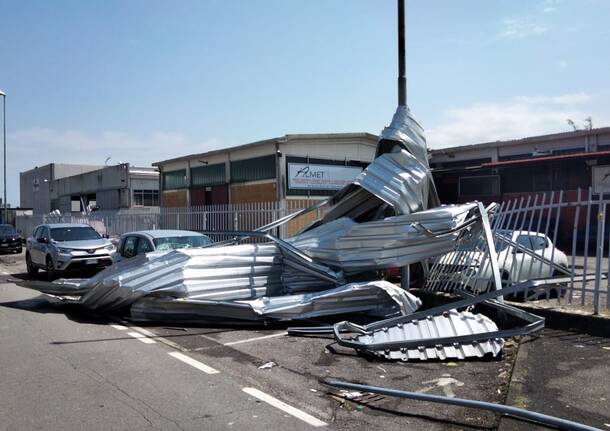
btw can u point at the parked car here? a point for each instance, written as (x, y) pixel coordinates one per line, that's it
(514, 264)
(145, 241)
(60, 247)
(10, 240)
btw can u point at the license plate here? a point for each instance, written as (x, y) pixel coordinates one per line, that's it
(91, 262)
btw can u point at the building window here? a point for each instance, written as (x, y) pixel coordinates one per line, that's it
(208, 175)
(146, 198)
(258, 168)
(487, 185)
(174, 179)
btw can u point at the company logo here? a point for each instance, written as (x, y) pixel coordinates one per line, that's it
(307, 172)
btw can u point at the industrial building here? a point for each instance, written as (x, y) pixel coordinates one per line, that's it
(502, 170)
(35, 185)
(75, 188)
(306, 166)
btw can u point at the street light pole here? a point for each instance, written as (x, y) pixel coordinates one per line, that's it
(3, 94)
(402, 61)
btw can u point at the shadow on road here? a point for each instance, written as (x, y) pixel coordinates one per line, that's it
(46, 304)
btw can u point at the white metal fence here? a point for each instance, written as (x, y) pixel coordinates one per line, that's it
(245, 217)
(538, 236)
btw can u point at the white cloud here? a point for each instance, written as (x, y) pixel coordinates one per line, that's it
(549, 6)
(517, 118)
(521, 28)
(39, 146)
(564, 99)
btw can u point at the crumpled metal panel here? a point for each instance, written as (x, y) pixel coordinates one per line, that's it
(377, 298)
(405, 130)
(450, 324)
(399, 179)
(388, 243)
(225, 273)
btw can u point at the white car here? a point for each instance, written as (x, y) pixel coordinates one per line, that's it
(515, 264)
(146, 241)
(62, 247)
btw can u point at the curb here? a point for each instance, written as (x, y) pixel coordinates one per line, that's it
(566, 320)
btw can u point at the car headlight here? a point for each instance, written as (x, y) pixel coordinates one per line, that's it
(65, 250)
(109, 247)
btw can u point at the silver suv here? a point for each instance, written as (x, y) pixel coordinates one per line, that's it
(62, 247)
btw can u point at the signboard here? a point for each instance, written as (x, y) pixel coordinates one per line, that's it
(601, 179)
(304, 176)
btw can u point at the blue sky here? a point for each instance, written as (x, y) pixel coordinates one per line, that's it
(143, 81)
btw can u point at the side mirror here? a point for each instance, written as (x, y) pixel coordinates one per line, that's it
(106, 236)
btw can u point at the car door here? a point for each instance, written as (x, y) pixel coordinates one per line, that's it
(144, 246)
(524, 266)
(542, 246)
(130, 247)
(39, 248)
(32, 245)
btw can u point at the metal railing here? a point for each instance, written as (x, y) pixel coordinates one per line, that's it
(229, 217)
(536, 236)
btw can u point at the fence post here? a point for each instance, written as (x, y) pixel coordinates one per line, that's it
(601, 211)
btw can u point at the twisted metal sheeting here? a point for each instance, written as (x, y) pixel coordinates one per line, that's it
(225, 273)
(450, 324)
(379, 298)
(389, 243)
(399, 179)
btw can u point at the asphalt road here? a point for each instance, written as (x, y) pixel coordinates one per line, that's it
(64, 368)
(60, 369)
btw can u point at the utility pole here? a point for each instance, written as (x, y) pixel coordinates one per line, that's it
(3, 94)
(402, 61)
(405, 273)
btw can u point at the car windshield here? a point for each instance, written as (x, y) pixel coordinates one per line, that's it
(174, 242)
(7, 230)
(74, 233)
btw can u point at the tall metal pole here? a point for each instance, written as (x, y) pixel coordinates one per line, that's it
(4, 139)
(402, 63)
(405, 274)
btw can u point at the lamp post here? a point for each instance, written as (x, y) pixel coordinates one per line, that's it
(3, 94)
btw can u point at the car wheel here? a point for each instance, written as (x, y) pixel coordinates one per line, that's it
(50, 268)
(32, 270)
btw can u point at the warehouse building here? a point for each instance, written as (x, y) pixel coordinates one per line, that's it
(35, 185)
(502, 170)
(78, 188)
(307, 166)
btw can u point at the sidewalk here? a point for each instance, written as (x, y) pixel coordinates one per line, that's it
(562, 373)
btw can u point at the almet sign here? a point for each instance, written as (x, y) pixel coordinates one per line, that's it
(305, 176)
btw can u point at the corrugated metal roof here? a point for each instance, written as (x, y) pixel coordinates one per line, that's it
(283, 139)
(546, 159)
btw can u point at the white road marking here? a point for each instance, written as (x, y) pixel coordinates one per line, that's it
(193, 363)
(119, 327)
(299, 414)
(248, 340)
(153, 335)
(141, 337)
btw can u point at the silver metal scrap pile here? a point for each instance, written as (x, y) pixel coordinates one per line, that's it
(389, 217)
